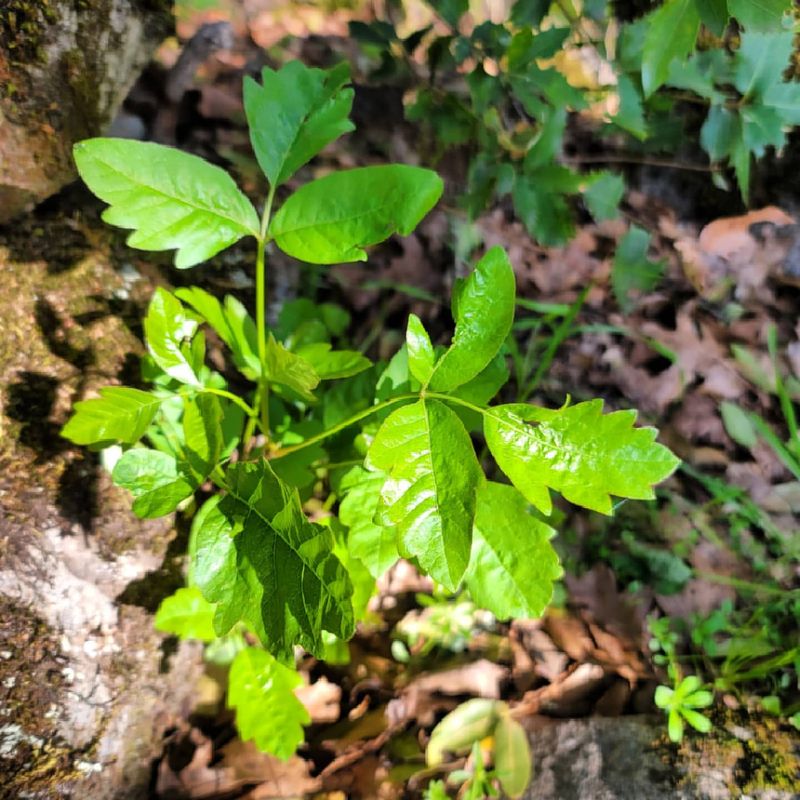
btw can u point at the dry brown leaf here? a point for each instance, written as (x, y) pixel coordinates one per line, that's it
(573, 695)
(545, 659)
(570, 634)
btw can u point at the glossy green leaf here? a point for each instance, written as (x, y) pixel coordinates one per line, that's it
(420, 350)
(759, 15)
(373, 544)
(331, 220)
(512, 756)
(461, 728)
(167, 326)
(155, 479)
(171, 199)
(294, 113)
(671, 35)
(202, 432)
(186, 614)
(261, 690)
(484, 314)
(513, 565)
(578, 451)
(697, 720)
(331, 364)
(289, 369)
(120, 414)
(263, 563)
(431, 504)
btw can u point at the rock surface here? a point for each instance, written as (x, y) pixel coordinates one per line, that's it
(628, 758)
(87, 687)
(65, 67)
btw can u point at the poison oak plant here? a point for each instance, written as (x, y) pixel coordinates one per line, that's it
(505, 92)
(391, 446)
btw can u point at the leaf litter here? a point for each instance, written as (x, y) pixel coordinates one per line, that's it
(700, 337)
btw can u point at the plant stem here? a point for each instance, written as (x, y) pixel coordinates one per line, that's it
(367, 412)
(248, 409)
(262, 393)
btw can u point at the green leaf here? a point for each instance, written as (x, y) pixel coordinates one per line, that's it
(294, 114)
(461, 728)
(513, 565)
(202, 432)
(330, 364)
(289, 369)
(186, 614)
(373, 544)
(484, 315)
(331, 220)
(267, 710)
(671, 35)
(420, 350)
(155, 479)
(675, 726)
(512, 756)
(603, 195)
(759, 15)
(263, 563)
(120, 414)
(529, 13)
(166, 327)
(738, 425)
(696, 720)
(540, 204)
(450, 11)
(171, 199)
(546, 146)
(630, 116)
(579, 452)
(231, 323)
(632, 270)
(430, 493)
(714, 14)
(761, 60)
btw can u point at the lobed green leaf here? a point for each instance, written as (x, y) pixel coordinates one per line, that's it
(512, 565)
(172, 200)
(671, 34)
(156, 480)
(578, 451)
(120, 414)
(429, 496)
(186, 614)
(261, 690)
(263, 563)
(331, 220)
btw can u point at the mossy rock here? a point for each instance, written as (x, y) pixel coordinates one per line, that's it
(65, 67)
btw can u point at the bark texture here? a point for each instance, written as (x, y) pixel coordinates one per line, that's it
(87, 687)
(65, 67)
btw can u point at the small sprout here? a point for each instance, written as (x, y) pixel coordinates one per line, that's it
(680, 704)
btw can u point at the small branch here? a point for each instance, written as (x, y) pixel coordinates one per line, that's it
(617, 158)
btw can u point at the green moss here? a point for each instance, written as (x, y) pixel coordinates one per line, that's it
(23, 25)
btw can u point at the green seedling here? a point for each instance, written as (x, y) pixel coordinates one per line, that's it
(681, 703)
(384, 450)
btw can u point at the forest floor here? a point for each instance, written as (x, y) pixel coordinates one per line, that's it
(708, 571)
